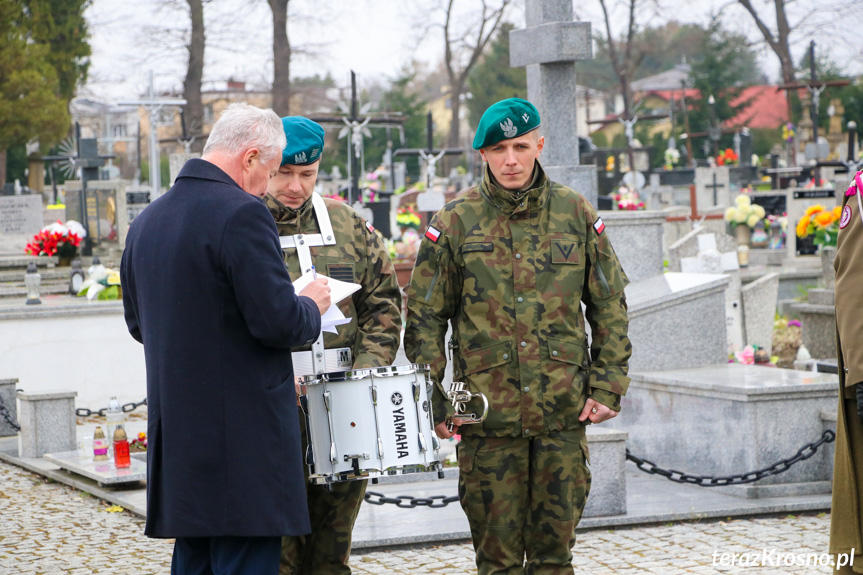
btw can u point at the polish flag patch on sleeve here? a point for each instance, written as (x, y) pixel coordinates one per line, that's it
(370, 227)
(433, 234)
(598, 225)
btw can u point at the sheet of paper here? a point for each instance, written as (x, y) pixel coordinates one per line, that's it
(339, 290)
(333, 317)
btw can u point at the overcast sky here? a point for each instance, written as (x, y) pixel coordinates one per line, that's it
(376, 38)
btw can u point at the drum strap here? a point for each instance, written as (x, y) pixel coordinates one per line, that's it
(302, 243)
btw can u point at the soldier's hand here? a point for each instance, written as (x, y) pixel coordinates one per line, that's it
(602, 412)
(319, 291)
(443, 432)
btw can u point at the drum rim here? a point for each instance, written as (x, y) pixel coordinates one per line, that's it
(360, 374)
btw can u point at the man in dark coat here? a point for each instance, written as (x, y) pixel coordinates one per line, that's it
(205, 290)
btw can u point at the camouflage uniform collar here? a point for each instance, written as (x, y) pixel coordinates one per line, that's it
(285, 215)
(507, 201)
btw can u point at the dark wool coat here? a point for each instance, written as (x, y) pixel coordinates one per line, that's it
(205, 290)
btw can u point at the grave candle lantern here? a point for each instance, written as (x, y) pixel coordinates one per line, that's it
(32, 280)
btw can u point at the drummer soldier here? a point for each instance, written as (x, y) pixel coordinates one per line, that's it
(332, 237)
(509, 263)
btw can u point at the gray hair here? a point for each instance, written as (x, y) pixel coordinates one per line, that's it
(242, 126)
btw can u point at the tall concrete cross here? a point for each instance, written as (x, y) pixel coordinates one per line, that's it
(549, 46)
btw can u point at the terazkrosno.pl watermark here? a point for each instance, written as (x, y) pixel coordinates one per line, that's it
(776, 558)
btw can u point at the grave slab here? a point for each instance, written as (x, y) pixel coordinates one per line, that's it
(712, 188)
(103, 473)
(762, 415)
(667, 319)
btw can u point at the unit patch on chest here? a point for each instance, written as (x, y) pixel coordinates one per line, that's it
(564, 252)
(341, 272)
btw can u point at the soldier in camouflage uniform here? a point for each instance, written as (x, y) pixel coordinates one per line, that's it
(358, 255)
(509, 263)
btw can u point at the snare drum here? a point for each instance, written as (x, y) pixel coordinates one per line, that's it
(369, 423)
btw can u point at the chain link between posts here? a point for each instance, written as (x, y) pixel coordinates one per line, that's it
(781, 466)
(8, 417)
(805, 452)
(126, 407)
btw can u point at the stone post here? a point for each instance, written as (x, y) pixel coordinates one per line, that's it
(7, 400)
(47, 423)
(549, 47)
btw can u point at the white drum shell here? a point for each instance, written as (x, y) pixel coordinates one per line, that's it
(374, 419)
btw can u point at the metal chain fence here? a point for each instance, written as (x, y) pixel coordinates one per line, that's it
(781, 466)
(805, 452)
(4, 413)
(127, 407)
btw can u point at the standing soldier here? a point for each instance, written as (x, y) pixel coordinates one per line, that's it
(332, 237)
(509, 263)
(846, 520)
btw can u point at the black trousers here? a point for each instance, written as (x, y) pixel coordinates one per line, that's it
(226, 556)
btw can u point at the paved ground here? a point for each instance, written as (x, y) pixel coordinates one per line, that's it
(50, 528)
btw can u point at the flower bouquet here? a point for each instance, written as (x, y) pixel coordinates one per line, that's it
(744, 212)
(727, 158)
(672, 157)
(103, 284)
(408, 218)
(139, 443)
(57, 239)
(627, 199)
(821, 223)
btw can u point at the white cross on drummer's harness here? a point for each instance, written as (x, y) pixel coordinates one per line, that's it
(302, 243)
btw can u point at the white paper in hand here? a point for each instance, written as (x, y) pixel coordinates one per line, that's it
(339, 290)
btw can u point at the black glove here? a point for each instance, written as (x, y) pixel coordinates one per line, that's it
(859, 391)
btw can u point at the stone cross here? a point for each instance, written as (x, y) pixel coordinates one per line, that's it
(715, 186)
(549, 46)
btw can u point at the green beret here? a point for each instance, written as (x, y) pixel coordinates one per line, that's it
(504, 120)
(305, 141)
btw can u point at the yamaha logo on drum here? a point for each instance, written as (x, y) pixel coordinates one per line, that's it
(396, 398)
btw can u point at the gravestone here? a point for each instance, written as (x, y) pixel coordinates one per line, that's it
(712, 187)
(21, 214)
(798, 199)
(106, 208)
(176, 163)
(668, 315)
(687, 246)
(711, 260)
(637, 240)
(548, 47)
(759, 310)
(657, 195)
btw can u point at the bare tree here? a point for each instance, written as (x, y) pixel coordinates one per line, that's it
(778, 40)
(624, 63)
(465, 39)
(281, 58)
(194, 110)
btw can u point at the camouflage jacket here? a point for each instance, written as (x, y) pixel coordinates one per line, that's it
(511, 273)
(359, 256)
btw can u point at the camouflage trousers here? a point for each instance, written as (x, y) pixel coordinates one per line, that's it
(523, 498)
(326, 550)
